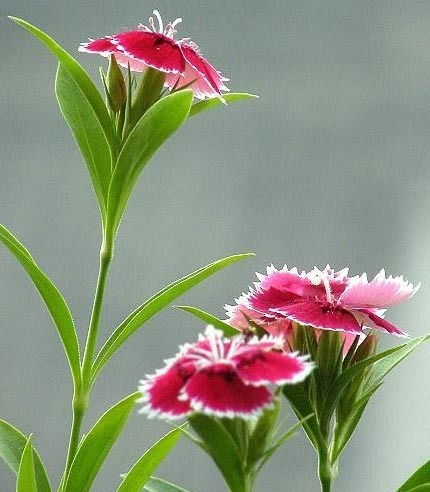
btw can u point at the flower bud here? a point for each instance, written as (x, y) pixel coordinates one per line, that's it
(115, 85)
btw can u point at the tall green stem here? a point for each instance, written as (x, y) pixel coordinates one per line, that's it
(105, 259)
(81, 392)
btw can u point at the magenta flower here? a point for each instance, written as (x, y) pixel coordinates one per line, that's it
(324, 299)
(221, 377)
(154, 47)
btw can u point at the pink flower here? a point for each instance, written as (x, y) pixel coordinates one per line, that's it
(221, 377)
(283, 328)
(324, 299)
(154, 47)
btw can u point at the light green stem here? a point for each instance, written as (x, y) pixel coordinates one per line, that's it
(105, 259)
(326, 472)
(82, 393)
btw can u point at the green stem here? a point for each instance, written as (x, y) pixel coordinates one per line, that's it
(326, 472)
(105, 259)
(81, 393)
(79, 407)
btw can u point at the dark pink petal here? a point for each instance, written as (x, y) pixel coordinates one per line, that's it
(257, 367)
(102, 46)
(213, 80)
(105, 47)
(321, 315)
(161, 392)
(372, 320)
(380, 293)
(218, 390)
(271, 300)
(303, 284)
(154, 49)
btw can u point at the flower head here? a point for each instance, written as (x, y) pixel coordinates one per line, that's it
(324, 299)
(221, 377)
(156, 47)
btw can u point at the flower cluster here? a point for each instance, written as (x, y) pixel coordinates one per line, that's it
(324, 299)
(156, 47)
(222, 377)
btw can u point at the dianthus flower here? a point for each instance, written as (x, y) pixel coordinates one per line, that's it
(156, 47)
(221, 377)
(324, 299)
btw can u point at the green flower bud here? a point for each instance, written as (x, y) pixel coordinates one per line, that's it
(115, 86)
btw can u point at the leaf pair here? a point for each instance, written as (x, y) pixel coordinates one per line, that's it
(17, 452)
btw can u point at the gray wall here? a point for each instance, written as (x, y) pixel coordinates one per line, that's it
(331, 164)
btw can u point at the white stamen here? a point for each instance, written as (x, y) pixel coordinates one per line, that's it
(152, 25)
(317, 277)
(160, 21)
(327, 288)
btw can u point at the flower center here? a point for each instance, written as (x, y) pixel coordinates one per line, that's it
(317, 278)
(169, 30)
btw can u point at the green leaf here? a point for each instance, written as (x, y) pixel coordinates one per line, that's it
(386, 364)
(425, 487)
(381, 363)
(343, 430)
(421, 478)
(88, 133)
(215, 102)
(304, 411)
(26, 479)
(155, 484)
(12, 444)
(80, 76)
(144, 467)
(54, 301)
(228, 330)
(218, 443)
(96, 445)
(285, 437)
(156, 125)
(153, 305)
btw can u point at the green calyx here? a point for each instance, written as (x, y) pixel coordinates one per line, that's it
(115, 86)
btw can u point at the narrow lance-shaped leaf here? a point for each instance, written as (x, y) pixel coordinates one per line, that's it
(155, 484)
(26, 479)
(88, 133)
(153, 305)
(96, 445)
(382, 364)
(80, 76)
(215, 101)
(155, 126)
(218, 443)
(12, 444)
(343, 430)
(228, 330)
(145, 466)
(53, 299)
(420, 478)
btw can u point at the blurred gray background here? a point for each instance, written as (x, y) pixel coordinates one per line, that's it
(332, 164)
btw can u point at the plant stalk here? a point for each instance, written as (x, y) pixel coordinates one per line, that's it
(326, 472)
(105, 260)
(81, 393)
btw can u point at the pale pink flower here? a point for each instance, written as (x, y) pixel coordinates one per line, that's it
(324, 299)
(156, 47)
(221, 377)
